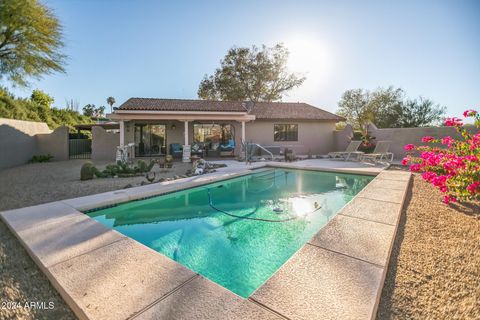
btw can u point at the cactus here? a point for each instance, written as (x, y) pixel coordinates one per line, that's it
(86, 172)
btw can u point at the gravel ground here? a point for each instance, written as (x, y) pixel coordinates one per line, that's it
(45, 182)
(434, 270)
(20, 279)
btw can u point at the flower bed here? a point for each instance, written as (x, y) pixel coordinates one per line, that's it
(453, 168)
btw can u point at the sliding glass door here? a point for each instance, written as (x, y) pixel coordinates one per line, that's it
(150, 140)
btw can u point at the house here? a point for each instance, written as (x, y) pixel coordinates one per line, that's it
(217, 128)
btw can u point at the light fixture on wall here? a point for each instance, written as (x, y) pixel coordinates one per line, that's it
(174, 127)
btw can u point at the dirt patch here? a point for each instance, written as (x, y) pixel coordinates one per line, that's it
(434, 270)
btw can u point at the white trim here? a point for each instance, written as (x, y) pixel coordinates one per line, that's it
(176, 112)
(180, 117)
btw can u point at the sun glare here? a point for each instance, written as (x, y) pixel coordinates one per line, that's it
(307, 55)
(310, 57)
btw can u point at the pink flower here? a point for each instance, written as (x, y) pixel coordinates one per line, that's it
(428, 176)
(439, 181)
(474, 187)
(453, 122)
(471, 158)
(415, 167)
(408, 147)
(469, 113)
(405, 161)
(427, 139)
(448, 141)
(448, 199)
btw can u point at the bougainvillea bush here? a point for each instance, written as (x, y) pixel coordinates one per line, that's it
(453, 168)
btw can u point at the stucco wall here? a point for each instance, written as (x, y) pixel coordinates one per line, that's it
(55, 143)
(342, 138)
(104, 144)
(18, 142)
(315, 137)
(402, 136)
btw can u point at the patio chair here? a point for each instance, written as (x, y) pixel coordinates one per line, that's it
(227, 149)
(176, 150)
(379, 154)
(352, 149)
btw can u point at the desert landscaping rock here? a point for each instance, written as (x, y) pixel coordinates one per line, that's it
(434, 268)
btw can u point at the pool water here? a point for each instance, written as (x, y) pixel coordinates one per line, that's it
(203, 229)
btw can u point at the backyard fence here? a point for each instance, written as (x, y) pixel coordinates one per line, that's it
(80, 148)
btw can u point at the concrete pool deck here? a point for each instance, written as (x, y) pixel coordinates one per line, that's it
(103, 274)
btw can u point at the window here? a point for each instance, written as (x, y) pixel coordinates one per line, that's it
(213, 135)
(285, 132)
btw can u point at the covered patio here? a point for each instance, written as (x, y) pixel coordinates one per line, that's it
(182, 134)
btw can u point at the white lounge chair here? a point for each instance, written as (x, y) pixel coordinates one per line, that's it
(352, 149)
(380, 154)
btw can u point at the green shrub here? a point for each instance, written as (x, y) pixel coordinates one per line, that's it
(38, 109)
(120, 169)
(142, 166)
(97, 173)
(87, 171)
(41, 158)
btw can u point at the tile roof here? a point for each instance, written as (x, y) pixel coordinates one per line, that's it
(261, 110)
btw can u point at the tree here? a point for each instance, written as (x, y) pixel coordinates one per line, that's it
(419, 112)
(89, 110)
(384, 104)
(38, 108)
(100, 112)
(387, 108)
(93, 112)
(72, 104)
(251, 74)
(41, 98)
(30, 41)
(355, 107)
(111, 101)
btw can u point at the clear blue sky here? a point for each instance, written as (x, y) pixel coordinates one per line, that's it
(158, 49)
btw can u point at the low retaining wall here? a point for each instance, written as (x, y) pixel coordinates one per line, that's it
(341, 138)
(104, 144)
(21, 140)
(55, 143)
(399, 137)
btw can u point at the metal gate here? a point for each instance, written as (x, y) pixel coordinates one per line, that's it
(80, 148)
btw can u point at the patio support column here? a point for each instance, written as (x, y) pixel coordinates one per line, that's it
(186, 133)
(122, 133)
(243, 131)
(186, 146)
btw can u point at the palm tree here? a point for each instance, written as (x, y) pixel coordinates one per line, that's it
(111, 102)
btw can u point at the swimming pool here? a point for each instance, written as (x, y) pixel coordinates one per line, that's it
(237, 232)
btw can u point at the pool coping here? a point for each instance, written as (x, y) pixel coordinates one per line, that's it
(49, 233)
